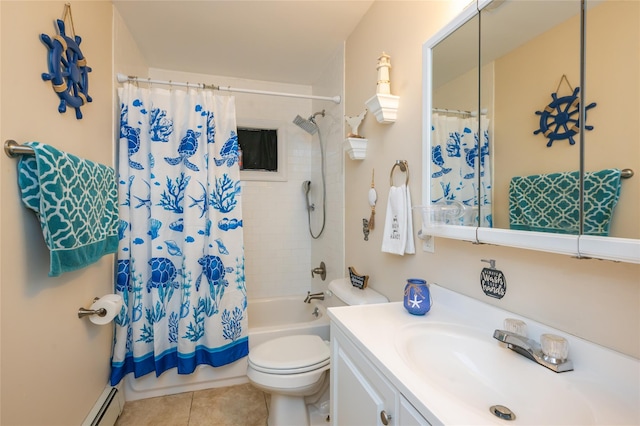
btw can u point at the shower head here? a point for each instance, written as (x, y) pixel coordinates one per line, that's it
(309, 125)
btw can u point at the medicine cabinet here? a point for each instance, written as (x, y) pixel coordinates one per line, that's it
(514, 90)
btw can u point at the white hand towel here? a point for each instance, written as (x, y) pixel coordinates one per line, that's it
(410, 247)
(398, 226)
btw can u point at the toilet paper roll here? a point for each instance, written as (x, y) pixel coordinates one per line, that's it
(112, 303)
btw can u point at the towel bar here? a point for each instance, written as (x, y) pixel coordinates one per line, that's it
(404, 167)
(13, 149)
(626, 173)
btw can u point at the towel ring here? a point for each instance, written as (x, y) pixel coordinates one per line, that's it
(404, 167)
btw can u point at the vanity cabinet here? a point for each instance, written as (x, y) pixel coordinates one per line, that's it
(445, 368)
(360, 394)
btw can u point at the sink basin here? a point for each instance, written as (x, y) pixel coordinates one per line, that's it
(480, 372)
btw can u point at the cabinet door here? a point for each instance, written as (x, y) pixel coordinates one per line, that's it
(409, 416)
(359, 394)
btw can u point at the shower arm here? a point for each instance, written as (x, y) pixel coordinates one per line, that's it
(314, 115)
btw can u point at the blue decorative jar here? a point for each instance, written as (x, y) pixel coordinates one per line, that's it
(417, 299)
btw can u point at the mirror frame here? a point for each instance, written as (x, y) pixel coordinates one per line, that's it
(581, 246)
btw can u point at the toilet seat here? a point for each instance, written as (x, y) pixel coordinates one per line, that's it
(290, 355)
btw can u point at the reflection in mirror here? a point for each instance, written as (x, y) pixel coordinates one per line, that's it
(531, 58)
(612, 79)
(455, 169)
(530, 61)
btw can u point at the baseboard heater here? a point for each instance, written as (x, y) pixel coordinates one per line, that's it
(107, 408)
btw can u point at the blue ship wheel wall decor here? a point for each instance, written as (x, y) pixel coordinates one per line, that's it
(560, 119)
(68, 70)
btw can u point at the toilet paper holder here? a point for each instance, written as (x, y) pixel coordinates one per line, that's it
(83, 312)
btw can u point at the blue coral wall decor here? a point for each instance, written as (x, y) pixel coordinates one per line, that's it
(561, 118)
(68, 70)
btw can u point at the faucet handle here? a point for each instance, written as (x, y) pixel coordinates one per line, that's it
(555, 348)
(516, 326)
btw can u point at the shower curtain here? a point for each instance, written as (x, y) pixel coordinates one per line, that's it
(180, 256)
(456, 150)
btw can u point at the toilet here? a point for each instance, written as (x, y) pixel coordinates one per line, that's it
(295, 369)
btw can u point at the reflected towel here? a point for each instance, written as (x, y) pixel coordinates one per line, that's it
(550, 202)
(398, 225)
(76, 202)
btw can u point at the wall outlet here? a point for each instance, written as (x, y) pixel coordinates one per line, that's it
(428, 243)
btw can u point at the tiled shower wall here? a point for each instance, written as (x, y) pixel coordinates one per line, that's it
(277, 243)
(330, 246)
(278, 247)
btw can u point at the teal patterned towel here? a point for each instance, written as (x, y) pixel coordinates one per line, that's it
(76, 202)
(550, 202)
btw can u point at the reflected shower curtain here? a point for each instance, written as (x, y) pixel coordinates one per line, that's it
(455, 150)
(180, 256)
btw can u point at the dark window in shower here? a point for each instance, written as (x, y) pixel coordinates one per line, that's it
(259, 149)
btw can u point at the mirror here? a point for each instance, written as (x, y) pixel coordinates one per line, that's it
(527, 77)
(454, 127)
(530, 51)
(615, 140)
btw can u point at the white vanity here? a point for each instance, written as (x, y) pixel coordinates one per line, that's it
(361, 394)
(392, 368)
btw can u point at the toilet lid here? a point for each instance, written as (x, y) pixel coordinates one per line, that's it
(290, 354)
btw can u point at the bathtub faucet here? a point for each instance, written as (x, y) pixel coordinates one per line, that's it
(322, 271)
(310, 297)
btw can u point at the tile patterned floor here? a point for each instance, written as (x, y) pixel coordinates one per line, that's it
(241, 405)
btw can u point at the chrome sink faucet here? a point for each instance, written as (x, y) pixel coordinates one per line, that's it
(532, 350)
(313, 296)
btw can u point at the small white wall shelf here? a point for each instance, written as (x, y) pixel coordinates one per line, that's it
(384, 107)
(356, 148)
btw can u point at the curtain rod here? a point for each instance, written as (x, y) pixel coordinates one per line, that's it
(457, 111)
(122, 78)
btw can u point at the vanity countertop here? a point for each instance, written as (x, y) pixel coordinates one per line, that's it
(604, 387)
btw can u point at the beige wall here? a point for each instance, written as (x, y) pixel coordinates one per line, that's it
(596, 300)
(53, 365)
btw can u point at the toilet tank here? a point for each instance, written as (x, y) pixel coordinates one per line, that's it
(342, 293)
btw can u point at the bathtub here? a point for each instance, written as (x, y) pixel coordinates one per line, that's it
(268, 318)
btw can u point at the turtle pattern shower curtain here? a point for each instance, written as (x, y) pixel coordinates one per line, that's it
(458, 154)
(180, 256)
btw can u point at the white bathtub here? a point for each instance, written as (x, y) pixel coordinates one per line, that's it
(268, 318)
(283, 316)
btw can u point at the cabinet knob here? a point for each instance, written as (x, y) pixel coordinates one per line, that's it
(384, 417)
